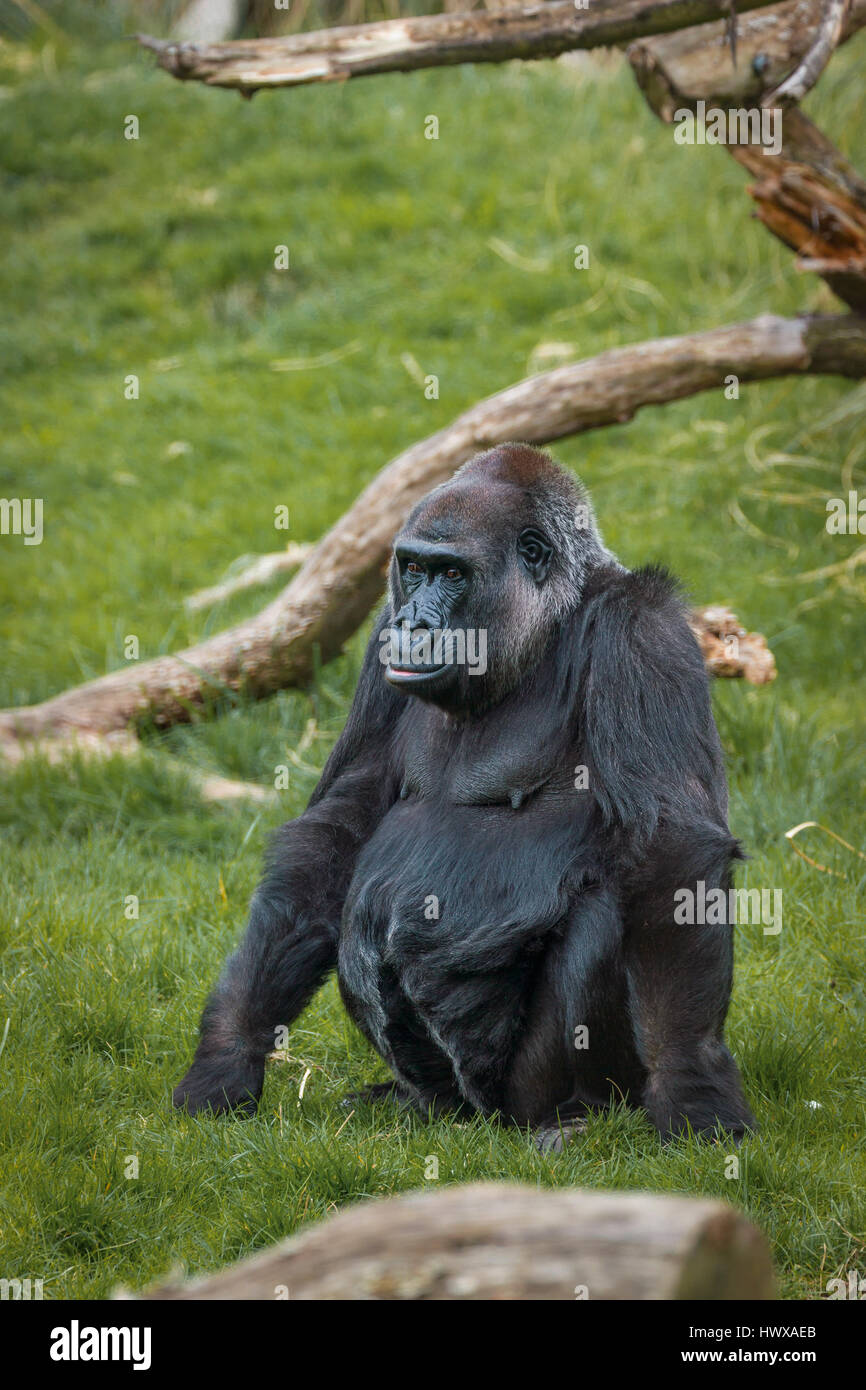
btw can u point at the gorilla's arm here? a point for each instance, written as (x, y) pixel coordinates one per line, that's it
(291, 941)
(656, 771)
(654, 752)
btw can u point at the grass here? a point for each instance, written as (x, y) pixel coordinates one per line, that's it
(155, 258)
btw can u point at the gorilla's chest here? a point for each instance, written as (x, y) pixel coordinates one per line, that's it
(465, 881)
(480, 881)
(465, 873)
(499, 762)
(448, 910)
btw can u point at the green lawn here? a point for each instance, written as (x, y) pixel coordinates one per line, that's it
(155, 258)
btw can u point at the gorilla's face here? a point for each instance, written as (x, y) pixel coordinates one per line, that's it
(467, 585)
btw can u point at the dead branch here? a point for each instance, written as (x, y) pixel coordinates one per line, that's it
(821, 50)
(815, 202)
(808, 194)
(339, 582)
(441, 40)
(212, 788)
(259, 571)
(503, 1241)
(123, 743)
(729, 650)
(679, 69)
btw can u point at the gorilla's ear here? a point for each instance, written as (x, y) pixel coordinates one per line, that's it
(535, 553)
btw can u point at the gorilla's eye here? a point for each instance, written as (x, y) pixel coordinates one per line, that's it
(453, 573)
(413, 568)
(536, 554)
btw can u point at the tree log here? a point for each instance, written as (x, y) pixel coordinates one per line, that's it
(495, 1241)
(338, 584)
(808, 195)
(441, 40)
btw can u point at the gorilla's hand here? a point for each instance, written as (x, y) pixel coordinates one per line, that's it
(221, 1083)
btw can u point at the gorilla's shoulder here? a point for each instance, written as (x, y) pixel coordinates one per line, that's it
(652, 587)
(646, 596)
(642, 615)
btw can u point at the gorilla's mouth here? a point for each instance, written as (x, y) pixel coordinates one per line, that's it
(414, 675)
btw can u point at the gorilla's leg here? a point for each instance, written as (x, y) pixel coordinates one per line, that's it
(576, 1052)
(376, 1000)
(425, 1076)
(679, 986)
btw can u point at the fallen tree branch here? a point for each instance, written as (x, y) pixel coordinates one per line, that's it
(259, 571)
(807, 194)
(815, 202)
(440, 40)
(807, 72)
(213, 788)
(729, 650)
(679, 69)
(339, 582)
(503, 1241)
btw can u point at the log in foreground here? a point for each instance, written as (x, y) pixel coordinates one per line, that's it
(441, 40)
(340, 581)
(494, 1241)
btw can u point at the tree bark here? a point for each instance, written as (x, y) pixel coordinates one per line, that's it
(259, 571)
(815, 202)
(826, 40)
(729, 650)
(808, 195)
(442, 40)
(496, 1241)
(339, 582)
(679, 69)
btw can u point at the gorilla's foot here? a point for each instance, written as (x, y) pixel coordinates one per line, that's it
(715, 1131)
(221, 1084)
(699, 1093)
(554, 1137)
(375, 1094)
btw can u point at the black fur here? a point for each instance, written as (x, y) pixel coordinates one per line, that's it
(555, 903)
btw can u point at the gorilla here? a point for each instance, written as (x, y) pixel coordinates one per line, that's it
(529, 773)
